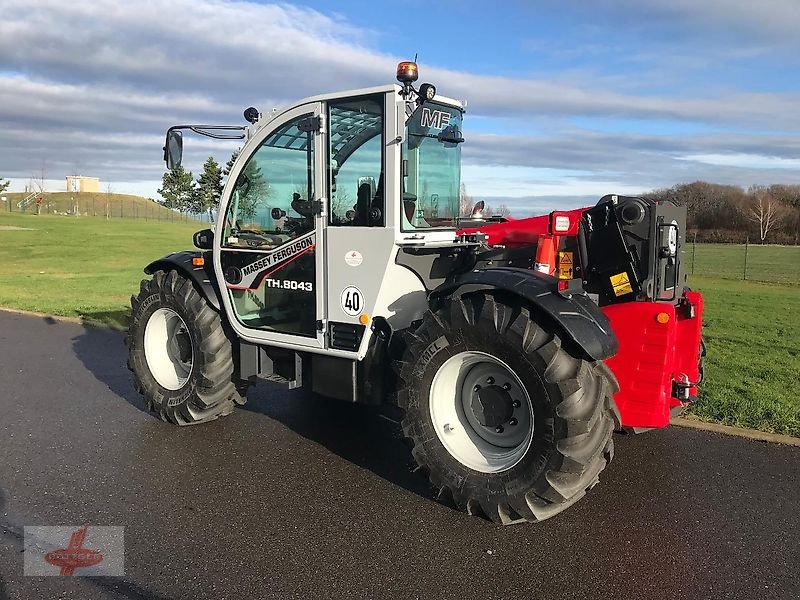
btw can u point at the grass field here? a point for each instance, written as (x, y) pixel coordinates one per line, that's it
(85, 267)
(89, 267)
(753, 367)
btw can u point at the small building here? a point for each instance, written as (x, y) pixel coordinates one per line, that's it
(79, 183)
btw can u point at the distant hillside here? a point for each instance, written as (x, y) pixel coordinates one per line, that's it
(98, 204)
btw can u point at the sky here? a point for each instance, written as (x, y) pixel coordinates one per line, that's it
(566, 101)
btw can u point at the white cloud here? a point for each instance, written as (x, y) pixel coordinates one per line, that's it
(93, 85)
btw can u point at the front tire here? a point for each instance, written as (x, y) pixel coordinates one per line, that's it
(180, 356)
(507, 418)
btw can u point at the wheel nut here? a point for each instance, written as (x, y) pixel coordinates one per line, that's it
(490, 380)
(513, 421)
(499, 429)
(506, 386)
(516, 404)
(476, 388)
(448, 428)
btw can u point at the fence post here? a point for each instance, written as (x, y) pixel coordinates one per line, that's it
(694, 247)
(746, 245)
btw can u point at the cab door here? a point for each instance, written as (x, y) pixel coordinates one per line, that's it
(268, 242)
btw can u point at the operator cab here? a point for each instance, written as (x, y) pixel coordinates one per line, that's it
(321, 200)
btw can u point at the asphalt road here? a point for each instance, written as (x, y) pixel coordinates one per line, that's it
(298, 496)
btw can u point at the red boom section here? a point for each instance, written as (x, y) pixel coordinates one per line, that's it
(519, 232)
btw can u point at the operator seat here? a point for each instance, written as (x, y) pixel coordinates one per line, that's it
(363, 200)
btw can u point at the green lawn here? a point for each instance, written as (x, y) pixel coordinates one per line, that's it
(89, 267)
(81, 266)
(753, 368)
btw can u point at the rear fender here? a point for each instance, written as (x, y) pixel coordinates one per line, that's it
(201, 276)
(577, 316)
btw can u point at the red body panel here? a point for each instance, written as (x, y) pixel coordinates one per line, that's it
(652, 355)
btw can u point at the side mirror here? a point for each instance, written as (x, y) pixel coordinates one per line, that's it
(204, 240)
(173, 149)
(450, 135)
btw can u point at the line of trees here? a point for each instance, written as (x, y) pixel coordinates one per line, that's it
(728, 213)
(180, 191)
(4, 185)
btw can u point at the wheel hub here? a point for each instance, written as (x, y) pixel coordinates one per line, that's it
(493, 406)
(481, 411)
(168, 348)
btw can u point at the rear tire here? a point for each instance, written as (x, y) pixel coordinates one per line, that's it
(545, 464)
(179, 353)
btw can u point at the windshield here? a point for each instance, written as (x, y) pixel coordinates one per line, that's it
(432, 168)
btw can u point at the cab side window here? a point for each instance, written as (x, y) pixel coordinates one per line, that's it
(355, 170)
(272, 201)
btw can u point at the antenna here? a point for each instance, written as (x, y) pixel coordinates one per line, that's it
(415, 56)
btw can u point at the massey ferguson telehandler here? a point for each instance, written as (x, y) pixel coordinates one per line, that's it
(340, 263)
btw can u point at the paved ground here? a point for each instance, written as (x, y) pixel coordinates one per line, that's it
(304, 497)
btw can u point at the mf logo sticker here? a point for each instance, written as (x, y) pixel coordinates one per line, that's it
(437, 119)
(353, 258)
(431, 351)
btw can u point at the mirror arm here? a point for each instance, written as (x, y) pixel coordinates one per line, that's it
(204, 130)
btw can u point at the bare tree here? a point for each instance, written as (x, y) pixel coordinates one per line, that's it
(108, 201)
(465, 202)
(502, 211)
(766, 213)
(38, 184)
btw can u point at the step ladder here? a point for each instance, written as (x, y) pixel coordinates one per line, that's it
(27, 200)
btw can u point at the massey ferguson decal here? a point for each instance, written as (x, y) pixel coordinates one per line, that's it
(254, 273)
(437, 119)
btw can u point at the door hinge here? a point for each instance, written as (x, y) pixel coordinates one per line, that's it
(318, 207)
(321, 325)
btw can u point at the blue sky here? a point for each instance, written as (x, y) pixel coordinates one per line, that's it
(567, 101)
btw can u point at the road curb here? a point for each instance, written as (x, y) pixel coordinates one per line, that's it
(66, 319)
(750, 434)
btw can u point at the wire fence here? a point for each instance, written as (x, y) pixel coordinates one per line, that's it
(98, 205)
(751, 262)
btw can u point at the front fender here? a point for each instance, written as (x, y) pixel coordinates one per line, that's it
(577, 316)
(202, 277)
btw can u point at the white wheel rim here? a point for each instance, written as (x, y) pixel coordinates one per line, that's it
(168, 349)
(487, 448)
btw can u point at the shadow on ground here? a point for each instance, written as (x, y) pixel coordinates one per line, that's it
(102, 351)
(366, 436)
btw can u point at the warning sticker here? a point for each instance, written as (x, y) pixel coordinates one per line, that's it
(565, 265)
(621, 284)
